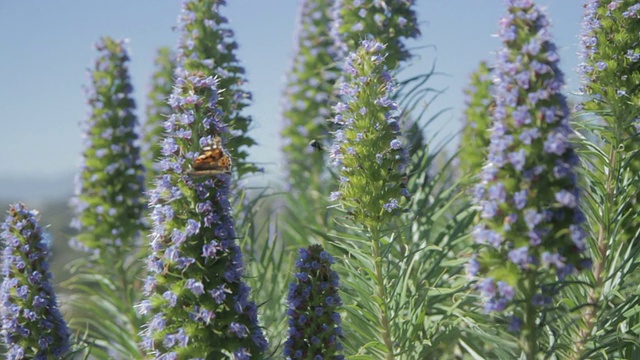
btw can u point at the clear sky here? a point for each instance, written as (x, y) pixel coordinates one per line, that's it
(46, 48)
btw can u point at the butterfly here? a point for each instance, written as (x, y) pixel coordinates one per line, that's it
(213, 160)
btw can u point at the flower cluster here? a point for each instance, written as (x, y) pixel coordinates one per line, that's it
(308, 94)
(367, 150)
(198, 304)
(32, 325)
(109, 188)
(475, 133)
(207, 45)
(530, 221)
(387, 21)
(314, 323)
(157, 111)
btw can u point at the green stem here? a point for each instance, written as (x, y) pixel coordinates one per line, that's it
(529, 335)
(382, 293)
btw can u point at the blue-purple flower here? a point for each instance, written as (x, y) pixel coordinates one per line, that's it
(315, 330)
(32, 325)
(197, 302)
(530, 221)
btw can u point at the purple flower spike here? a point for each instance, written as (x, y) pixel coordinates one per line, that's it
(528, 196)
(314, 324)
(32, 325)
(196, 298)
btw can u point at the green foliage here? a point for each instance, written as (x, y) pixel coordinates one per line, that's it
(271, 256)
(100, 307)
(596, 315)
(424, 291)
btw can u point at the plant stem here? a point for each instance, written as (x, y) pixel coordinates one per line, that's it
(529, 335)
(382, 293)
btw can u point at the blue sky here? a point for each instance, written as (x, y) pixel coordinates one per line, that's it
(46, 48)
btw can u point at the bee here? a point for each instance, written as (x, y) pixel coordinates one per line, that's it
(213, 160)
(316, 145)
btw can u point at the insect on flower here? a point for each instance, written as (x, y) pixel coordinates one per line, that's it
(214, 160)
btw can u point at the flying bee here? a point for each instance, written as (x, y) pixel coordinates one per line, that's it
(317, 145)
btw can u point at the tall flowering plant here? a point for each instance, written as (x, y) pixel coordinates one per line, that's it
(207, 45)
(32, 325)
(477, 117)
(530, 221)
(609, 118)
(314, 323)
(307, 98)
(197, 301)
(371, 160)
(157, 111)
(109, 188)
(609, 67)
(109, 210)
